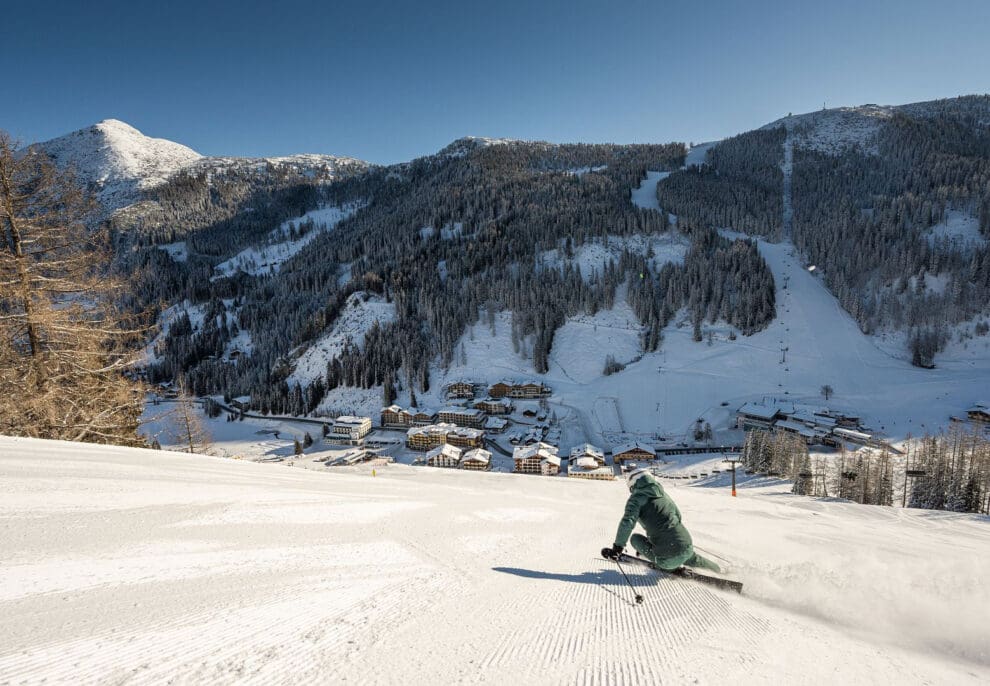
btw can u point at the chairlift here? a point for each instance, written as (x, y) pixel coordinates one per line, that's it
(850, 476)
(915, 472)
(805, 475)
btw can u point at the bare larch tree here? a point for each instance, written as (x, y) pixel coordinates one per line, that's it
(64, 347)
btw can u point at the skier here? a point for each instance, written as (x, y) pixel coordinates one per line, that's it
(667, 543)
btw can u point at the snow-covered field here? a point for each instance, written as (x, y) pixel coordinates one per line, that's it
(135, 566)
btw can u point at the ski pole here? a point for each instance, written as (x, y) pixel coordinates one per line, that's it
(639, 598)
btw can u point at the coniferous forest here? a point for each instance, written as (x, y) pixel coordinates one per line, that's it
(486, 213)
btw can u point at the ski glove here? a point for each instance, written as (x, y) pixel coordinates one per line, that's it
(614, 551)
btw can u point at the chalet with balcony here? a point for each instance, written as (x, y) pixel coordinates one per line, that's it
(633, 452)
(395, 416)
(587, 467)
(478, 459)
(538, 458)
(460, 389)
(519, 389)
(588, 451)
(465, 437)
(462, 416)
(445, 455)
(428, 437)
(494, 406)
(423, 416)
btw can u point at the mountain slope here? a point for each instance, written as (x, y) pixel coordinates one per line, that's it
(835, 130)
(118, 160)
(146, 566)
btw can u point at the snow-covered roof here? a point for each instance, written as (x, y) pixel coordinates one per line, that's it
(395, 408)
(432, 429)
(350, 420)
(447, 449)
(551, 459)
(587, 449)
(494, 401)
(634, 445)
(477, 455)
(797, 427)
(854, 435)
(980, 406)
(242, 399)
(539, 449)
(425, 412)
(496, 423)
(759, 411)
(586, 462)
(518, 382)
(453, 409)
(465, 431)
(812, 418)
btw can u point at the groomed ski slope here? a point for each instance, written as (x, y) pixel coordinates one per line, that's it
(137, 566)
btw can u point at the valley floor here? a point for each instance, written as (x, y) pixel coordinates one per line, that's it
(136, 566)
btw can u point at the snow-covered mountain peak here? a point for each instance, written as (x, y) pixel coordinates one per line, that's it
(118, 160)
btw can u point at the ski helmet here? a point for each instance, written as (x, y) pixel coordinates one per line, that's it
(635, 475)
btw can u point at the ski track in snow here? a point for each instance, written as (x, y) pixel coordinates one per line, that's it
(148, 566)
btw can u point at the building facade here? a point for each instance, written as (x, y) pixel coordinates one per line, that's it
(633, 452)
(396, 416)
(462, 416)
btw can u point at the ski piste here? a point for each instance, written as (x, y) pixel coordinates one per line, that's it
(683, 572)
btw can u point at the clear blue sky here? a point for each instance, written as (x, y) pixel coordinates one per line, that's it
(388, 81)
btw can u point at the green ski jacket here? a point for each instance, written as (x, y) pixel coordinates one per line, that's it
(649, 505)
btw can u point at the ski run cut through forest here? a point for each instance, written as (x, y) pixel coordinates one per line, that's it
(127, 565)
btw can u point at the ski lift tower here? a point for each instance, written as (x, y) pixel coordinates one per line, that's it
(732, 460)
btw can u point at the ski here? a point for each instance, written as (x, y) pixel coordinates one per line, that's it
(682, 572)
